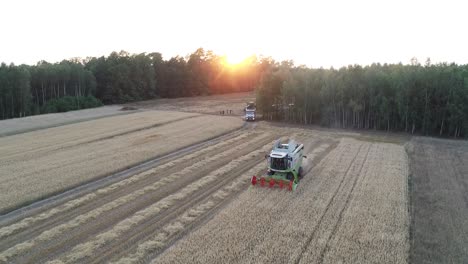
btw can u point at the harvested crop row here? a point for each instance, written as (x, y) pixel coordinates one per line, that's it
(88, 248)
(24, 223)
(275, 227)
(84, 218)
(160, 239)
(60, 170)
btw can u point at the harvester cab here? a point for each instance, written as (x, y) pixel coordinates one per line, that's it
(284, 166)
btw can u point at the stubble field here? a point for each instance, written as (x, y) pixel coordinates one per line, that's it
(43, 162)
(193, 203)
(439, 200)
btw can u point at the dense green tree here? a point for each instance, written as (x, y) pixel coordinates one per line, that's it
(430, 99)
(15, 91)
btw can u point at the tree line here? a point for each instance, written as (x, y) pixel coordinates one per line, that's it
(429, 99)
(45, 88)
(118, 78)
(122, 77)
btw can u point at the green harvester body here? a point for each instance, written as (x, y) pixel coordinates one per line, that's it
(284, 166)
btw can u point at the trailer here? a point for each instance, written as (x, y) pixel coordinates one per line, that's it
(250, 111)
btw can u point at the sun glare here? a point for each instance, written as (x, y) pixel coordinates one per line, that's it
(234, 59)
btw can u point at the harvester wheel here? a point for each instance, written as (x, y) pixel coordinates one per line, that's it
(301, 173)
(290, 176)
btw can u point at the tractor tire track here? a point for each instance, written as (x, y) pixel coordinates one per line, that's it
(327, 208)
(343, 209)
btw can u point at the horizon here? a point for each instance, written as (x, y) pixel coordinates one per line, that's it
(318, 34)
(236, 63)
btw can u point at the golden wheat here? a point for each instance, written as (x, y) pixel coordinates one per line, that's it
(55, 171)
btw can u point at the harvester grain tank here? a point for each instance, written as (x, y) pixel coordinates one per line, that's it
(284, 166)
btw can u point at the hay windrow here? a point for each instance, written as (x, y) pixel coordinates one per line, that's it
(8, 230)
(160, 239)
(38, 174)
(82, 219)
(86, 249)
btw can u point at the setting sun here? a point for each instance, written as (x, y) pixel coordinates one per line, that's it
(234, 59)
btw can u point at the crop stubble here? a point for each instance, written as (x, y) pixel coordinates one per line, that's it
(439, 202)
(194, 158)
(45, 170)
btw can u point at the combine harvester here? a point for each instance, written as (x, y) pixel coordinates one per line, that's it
(284, 166)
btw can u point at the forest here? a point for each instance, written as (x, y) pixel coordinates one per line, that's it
(118, 78)
(428, 99)
(425, 99)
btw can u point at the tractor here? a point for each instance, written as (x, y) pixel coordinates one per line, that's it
(284, 166)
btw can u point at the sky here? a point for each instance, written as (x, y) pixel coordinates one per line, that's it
(321, 33)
